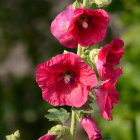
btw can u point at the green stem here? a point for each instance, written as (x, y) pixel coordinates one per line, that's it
(73, 125)
(86, 3)
(79, 50)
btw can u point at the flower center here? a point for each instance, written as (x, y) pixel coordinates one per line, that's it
(83, 21)
(68, 76)
(85, 24)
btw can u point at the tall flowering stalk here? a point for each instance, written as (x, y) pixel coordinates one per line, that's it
(79, 80)
(70, 79)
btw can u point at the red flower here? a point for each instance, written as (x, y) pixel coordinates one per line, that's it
(106, 94)
(48, 137)
(65, 80)
(106, 97)
(91, 129)
(108, 57)
(83, 26)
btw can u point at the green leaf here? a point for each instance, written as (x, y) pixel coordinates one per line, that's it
(107, 138)
(59, 115)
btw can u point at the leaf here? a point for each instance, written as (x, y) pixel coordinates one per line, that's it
(59, 115)
(107, 138)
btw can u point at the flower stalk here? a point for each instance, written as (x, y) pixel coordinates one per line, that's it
(79, 50)
(85, 3)
(73, 125)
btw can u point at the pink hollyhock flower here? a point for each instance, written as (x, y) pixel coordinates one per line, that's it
(48, 137)
(108, 57)
(91, 129)
(65, 80)
(83, 26)
(106, 95)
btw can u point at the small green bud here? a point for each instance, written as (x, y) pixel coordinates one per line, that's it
(76, 4)
(102, 3)
(58, 130)
(65, 51)
(86, 51)
(14, 136)
(93, 55)
(83, 56)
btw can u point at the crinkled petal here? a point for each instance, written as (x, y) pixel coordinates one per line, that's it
(55, 90)
(59, 95)
(106, 97)
(60, 25)
(97, 26)
(110, 73)
(109, 56)
(91, 129)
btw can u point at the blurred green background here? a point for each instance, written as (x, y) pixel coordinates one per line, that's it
(26, 41)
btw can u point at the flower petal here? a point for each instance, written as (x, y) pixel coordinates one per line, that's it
(60, 25)
(106, 97)
(109, 56)
(48, 137)
(98, 21)
(49, 77)
(91, 129)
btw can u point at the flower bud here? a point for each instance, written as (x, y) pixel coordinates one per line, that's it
(47, 137)
(76, 4)
(91, 129)
(93, 55)
(102, 3)
(14, 136)
(58, 130)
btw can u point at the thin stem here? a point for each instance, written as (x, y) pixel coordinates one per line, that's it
(73, 125)
(85, 3)
(79, 50)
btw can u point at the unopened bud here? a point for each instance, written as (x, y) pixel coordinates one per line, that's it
(94, 55)
(58, 130)
(14, 136)
(65, 51)
(102, 3)
(83, 56)
(76, 4)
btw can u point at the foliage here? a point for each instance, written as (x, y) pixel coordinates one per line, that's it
(60, 116)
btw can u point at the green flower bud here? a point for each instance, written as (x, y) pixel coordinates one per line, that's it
(93, 55)
(14, 136)
(58, 130)
(76, 4)
(83, 56)
(65, 51)
(101, 3)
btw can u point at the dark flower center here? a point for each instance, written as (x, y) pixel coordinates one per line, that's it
(83, 21)
(68, 76)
